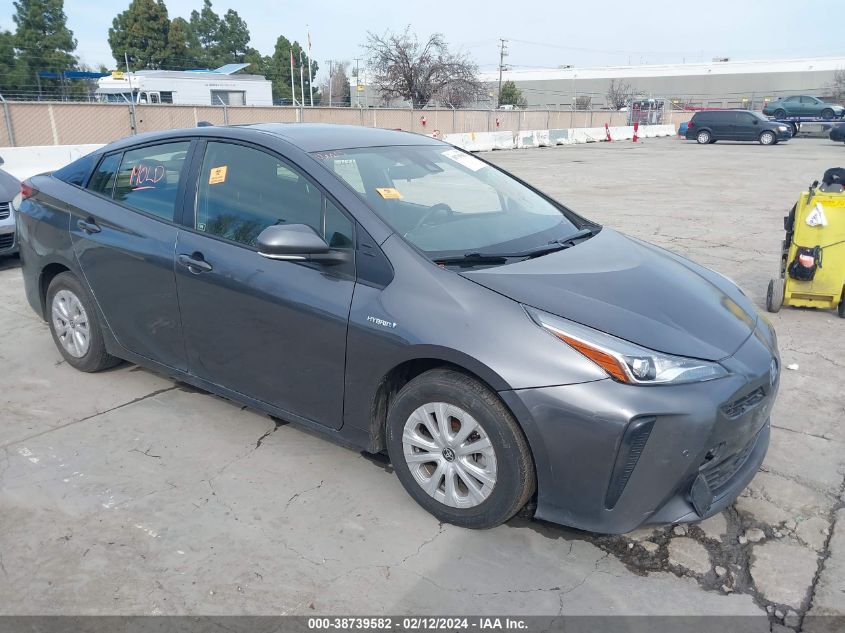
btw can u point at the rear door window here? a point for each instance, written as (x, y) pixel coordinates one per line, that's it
(148, 178)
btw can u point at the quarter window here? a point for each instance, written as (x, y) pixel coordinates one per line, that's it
(148, 178)
(102, 181)
(243, 190)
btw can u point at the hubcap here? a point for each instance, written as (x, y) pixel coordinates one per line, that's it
(70, 322)
(449, 455)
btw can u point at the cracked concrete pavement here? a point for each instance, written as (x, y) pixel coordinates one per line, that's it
(127, 493)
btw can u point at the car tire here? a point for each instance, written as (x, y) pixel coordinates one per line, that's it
(780, 113)
(479, 489)
(841, 310)
(703, 137)
(75, 325)
(774, 295)
(767, 137)
(712, 140)
(827, 114)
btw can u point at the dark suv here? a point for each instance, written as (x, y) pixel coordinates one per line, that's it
(710, 126)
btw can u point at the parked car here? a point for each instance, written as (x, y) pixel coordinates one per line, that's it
(9, 188)
(709, 126)
(803, 105)
(401, 295)
(837, 133)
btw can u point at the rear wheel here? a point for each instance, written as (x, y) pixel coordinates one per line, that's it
(774, 295)
(827, 114)
(703, 137)
(767, 137)
(75, 326)
(458, 451)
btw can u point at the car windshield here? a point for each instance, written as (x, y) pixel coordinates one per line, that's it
(449, 203)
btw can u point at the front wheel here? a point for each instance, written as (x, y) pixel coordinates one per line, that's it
(703, 137)
(458, 451)
(780, 113)
(774, 295)
(75, 326)
(767, 138)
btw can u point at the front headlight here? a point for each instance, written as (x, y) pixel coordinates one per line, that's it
(783, 128)
(624, 361)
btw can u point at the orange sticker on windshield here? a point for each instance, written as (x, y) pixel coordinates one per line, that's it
(389, 193)
(217, 175)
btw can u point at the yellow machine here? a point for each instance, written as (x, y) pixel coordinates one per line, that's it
(812, 270)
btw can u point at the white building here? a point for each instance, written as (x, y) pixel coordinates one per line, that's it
(716, 83)
(196, 87)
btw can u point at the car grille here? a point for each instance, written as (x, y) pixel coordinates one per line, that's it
(720, 474)
(741, 405)
(6, 241)
(5, 211)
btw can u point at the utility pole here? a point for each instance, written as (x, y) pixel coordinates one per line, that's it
(357, 83)
(134, 120)
(503, 52)
(331, 80)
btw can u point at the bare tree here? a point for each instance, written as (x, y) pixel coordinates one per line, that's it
(461, 94)
(406, 68)
(618, 93)
(837, 88)
(339, 89)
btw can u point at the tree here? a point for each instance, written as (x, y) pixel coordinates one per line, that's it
(42, 40)
(141, 33)
(232, 39)
(179, 48)
(405, 68)
(10, 78)
(215, 41)
(511, 95)
(339, 89)
(618, 93)
(277, 71)
(837, 88)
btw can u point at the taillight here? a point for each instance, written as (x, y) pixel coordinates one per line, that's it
(689, 125)
(27, 190)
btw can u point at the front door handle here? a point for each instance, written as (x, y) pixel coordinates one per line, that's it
(88, 226)
(195, 264)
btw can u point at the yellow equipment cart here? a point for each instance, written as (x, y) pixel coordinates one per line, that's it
(812, 270)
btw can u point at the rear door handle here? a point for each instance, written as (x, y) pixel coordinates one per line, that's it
(195, 265)
(88, 226)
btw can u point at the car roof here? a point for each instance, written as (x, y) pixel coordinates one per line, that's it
(309, 137)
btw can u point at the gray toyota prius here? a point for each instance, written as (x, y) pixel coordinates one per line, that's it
(401, 295)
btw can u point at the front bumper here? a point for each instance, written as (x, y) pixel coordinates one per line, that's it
(8, 239)
(611, 457)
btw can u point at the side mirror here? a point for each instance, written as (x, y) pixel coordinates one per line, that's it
(297, 242)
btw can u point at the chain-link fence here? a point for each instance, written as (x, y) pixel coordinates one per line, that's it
(69, 123)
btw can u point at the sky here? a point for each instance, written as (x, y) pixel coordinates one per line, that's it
(541, 34)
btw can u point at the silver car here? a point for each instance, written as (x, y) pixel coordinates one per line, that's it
(10, 187)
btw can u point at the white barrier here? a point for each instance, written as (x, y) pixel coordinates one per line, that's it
(23, 162)
(481, 141)
(533, 138)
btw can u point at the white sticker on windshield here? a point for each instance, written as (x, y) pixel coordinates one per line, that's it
(470, 162)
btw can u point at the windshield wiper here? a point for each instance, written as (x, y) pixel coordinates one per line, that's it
(556, 245)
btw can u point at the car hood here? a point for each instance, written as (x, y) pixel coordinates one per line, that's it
(9, 186)
(632, 290)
